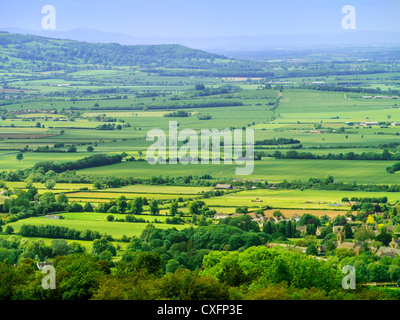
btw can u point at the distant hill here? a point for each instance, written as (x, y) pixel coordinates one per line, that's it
(19, 51)
(36, 48)
(87, 35)
(226, 45)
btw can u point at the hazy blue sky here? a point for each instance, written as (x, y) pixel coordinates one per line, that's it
(202, 18)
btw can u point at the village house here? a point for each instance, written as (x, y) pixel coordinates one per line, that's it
(318, 232)
(321, 249)
(356, 247)
(394, 244)
(256, 217)
(221, 215)
(390, 229)
(236, 214)
(351, 203)
(302, 229)
(337, 229)
(387, 252)
(296, 217)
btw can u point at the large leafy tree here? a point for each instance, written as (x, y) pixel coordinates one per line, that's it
(137, 205)
(154, 210)
(101, 245)
(78, 276)
(264, 266)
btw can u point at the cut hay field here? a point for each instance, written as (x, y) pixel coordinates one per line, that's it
(288, 213)
(293, 199)
(9, 162)
(301, 101)
(95, 196)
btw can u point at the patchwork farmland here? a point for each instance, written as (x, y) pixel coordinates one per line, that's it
(75, 178)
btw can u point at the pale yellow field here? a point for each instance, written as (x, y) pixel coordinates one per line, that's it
(288, 213)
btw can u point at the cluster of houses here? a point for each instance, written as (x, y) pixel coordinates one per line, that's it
(29, 111)
(370, 123)
(391, 251)
(260, 219)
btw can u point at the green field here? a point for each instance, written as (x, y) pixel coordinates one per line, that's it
(271, 170)
(294, 199)
(83, 103)
(115, 229)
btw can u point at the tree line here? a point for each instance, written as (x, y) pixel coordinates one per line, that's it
(57, 232)
(96, 160)
(329, 183)
(293, 154)
(274, 141)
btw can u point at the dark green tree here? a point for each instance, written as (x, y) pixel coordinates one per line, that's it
(173, 209)
(154, 210)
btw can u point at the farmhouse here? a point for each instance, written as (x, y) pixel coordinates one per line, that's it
(221, 215)
(316, 131)
(369, 123)
(352, 203)
(51, 216)
(223, 186)
(60, 85)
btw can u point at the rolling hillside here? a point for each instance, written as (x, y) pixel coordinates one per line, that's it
(35, 49)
